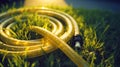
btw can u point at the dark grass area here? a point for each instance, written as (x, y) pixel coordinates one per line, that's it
(111, 37)
(99, 20)
(10, 4)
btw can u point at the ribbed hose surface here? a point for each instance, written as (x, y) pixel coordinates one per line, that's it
(64, 28)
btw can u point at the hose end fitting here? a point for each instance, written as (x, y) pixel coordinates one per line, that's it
(77, 41)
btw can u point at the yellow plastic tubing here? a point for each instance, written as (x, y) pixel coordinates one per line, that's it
(63, 28)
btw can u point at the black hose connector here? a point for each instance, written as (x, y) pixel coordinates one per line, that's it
(77, 41)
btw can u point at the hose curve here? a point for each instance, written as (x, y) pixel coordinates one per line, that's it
(64, 27)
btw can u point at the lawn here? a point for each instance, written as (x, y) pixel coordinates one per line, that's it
(100, 31)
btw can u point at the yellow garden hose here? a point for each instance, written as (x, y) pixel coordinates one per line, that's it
(64, 27)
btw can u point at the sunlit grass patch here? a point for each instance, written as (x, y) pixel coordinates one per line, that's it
(23, 22)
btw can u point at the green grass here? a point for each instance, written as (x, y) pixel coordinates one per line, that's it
(99, 31)
(23, 22)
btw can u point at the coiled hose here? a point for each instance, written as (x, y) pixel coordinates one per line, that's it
(64, 27)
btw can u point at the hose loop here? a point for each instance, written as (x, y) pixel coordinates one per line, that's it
(64, 27)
